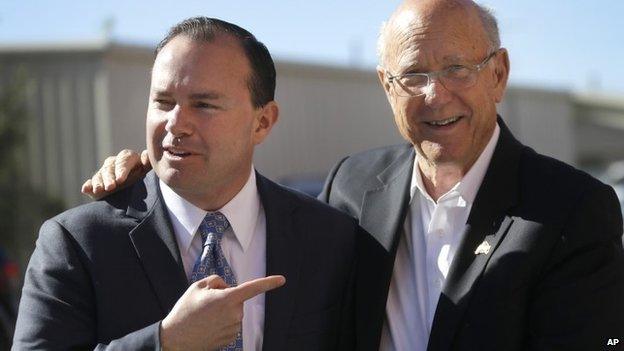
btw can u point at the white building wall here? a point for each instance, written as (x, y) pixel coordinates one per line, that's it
(128, 71)
(326, 114)
(543, 120)
(599, 129)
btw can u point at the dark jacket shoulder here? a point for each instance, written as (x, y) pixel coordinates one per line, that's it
(360, 171)
(301, 204)
(109, 215)
(545, 182)
(368, 164)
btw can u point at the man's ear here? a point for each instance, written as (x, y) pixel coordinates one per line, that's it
(501, 74)
(385, 84)
(265, 119)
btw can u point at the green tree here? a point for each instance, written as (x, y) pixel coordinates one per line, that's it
(22, 208)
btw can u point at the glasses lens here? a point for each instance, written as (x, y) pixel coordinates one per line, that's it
(414, 81)
(458, 77)
(411, 85)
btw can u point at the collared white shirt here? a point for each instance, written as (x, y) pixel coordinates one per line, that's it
(243, 244)
(431, 233)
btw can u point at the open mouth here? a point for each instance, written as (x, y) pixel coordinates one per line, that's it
(444, 122)
(176, 153)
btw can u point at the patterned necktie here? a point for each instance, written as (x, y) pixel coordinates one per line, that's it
(212, 261)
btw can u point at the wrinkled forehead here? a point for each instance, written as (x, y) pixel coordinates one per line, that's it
(414, 38)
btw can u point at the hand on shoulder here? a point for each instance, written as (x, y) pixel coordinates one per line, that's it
(117, 172)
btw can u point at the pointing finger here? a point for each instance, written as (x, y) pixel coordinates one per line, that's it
(249, 289)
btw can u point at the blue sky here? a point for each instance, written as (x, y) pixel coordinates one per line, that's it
(573, 44)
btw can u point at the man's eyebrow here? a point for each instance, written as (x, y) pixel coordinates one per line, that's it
(161, 92)
(454, 58)
(210, 95)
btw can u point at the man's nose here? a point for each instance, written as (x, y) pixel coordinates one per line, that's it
(436, 94)
(178, 121)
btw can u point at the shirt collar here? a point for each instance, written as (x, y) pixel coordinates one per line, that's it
(241, 211)
(466, 189)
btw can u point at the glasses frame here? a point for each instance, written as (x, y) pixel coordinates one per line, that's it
(475, 69)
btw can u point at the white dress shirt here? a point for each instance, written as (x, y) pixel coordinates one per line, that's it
(431, 233)
(243, 244)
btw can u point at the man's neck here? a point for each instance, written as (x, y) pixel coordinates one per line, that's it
(217, 196)
(439, 179)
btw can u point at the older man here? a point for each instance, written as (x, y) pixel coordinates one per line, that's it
(476, 241)
(115, 274)
(485, 244)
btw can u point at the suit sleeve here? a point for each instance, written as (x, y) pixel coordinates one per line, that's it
(327, 187)
(578, 303)
(57, 308)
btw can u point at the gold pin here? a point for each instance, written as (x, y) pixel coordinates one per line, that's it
(483, 248)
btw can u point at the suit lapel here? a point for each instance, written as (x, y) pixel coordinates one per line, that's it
(283, 256)
(155, 244)
(384, 207)
(487, 222)
(383, 211)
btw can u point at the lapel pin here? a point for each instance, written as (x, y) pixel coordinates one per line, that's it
(483, 248)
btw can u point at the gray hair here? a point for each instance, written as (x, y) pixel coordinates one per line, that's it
(486, 15)
(490, 25)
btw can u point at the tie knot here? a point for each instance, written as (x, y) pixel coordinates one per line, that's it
(213, 226)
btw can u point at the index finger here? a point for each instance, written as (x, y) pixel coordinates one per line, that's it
(247, 290)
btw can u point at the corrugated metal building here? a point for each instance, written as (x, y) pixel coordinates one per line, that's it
(88, 100)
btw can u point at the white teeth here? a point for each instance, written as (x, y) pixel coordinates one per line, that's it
(177, 153)
(444, 121)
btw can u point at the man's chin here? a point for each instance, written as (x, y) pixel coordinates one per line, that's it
(438, 154)
(173, 177)
(432, 152)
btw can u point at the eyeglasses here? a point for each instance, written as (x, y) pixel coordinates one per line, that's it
(455, 77)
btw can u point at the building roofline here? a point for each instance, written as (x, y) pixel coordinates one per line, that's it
(56, 47)
(612, 101)
(285, 66)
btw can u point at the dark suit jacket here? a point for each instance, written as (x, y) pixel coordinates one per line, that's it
(104, 274)
(552, 280)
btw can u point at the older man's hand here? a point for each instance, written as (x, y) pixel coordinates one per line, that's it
(209, 314)
(116, 173)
